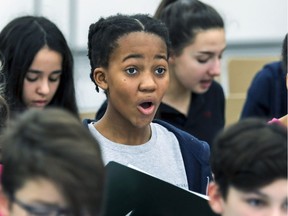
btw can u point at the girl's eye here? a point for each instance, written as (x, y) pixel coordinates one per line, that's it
(54, 78)
(160, 70)
(131, 71)
(256, 202)
(31, 78)
(203, 61)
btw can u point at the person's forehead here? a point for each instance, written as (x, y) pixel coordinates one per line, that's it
(137, 42)
(263, 190)
(134, 36)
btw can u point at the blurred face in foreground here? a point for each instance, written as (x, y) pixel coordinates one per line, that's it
(38, 197)
(270, 200)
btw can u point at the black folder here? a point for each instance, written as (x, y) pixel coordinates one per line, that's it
(135, 193)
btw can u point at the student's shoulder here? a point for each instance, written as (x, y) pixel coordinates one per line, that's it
(273, 65)
(271, 69)
(267, 74)
(177, 131)
(187, 142)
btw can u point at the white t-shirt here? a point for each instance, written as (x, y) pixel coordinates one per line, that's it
(160, 156)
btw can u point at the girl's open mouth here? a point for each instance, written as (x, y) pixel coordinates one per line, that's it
(146, 105)
(146, 108)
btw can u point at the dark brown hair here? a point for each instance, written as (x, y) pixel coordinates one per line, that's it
(249, 155)
(54, 145)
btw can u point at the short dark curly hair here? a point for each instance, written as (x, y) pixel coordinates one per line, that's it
(104, 34)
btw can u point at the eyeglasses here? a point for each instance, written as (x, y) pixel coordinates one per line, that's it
(42, 210)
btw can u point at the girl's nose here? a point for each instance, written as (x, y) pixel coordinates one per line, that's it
(147, 82)
(43, 87)
(215, 69)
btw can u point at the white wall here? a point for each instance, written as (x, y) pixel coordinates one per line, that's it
(246, 20)
(84, 13)
(90, 11)
(253, 20)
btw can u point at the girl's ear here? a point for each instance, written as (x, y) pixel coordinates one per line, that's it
(99, 75)
(172, 57)
(215, 198)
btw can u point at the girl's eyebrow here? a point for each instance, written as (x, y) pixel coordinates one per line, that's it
(132, 56)
(138, 56)
(211, 53)
(259, 193)
(34, 71)
(159, 56)
(206, 52)
(38, 71)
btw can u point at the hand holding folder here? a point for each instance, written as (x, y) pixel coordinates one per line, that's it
(135, 193)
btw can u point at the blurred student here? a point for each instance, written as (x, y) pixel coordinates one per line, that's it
(249, 163)
(194, 102)
(38, 65)
(129, 61)
(267, 94)
(283, 120)
(51, 166)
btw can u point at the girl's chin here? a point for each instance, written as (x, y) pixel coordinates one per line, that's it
(37, 107)
(200, 90)
(202, 87)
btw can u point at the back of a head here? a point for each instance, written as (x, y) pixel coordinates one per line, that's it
(185, 18)
(104, 34)
(54, 145)
(20, 41)
(249, 155)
